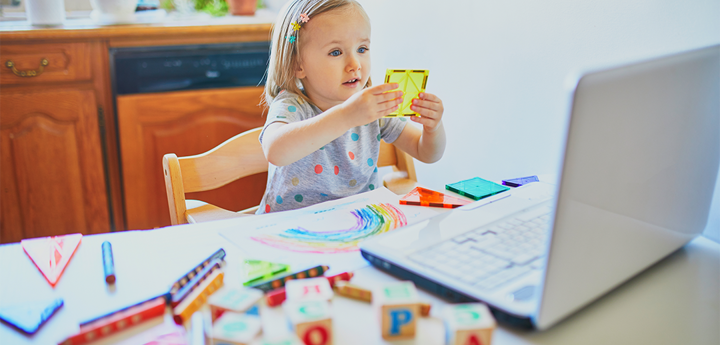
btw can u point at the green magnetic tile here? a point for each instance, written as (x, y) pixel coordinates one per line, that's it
(476, 188)
(412, 82)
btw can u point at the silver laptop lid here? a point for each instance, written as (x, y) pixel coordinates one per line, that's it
(638, 175)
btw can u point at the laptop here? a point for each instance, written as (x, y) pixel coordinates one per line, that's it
(638, 173)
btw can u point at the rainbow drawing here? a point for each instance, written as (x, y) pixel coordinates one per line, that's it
(370, 220)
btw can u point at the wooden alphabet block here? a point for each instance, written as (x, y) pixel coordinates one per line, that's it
(235, 329)
(346, 289)
(308, 289)
(399, 309)
(239, 300)
(311, 321)
(468, 324)
(281, 339)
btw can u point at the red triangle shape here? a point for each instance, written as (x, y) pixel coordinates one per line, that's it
(51, 254)
(425, 197)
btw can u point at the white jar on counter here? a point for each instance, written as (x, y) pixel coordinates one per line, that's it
(45, 12)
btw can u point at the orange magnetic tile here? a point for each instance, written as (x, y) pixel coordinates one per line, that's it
(425, 197)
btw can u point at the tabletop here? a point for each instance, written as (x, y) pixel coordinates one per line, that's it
(675, 301)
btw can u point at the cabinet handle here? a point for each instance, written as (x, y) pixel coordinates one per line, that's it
(29, 73)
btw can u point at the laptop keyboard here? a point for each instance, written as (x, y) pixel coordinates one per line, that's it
(493, 255)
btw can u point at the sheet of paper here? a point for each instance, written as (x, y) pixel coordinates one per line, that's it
(326, 233)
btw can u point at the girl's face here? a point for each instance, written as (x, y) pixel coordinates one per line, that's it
(334, 56)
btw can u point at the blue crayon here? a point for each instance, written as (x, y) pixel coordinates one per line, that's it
(108, 264)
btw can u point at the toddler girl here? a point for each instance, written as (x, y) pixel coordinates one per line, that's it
(324, 125)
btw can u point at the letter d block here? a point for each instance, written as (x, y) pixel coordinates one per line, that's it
(399, 309)
(311, 320)
(468, 324)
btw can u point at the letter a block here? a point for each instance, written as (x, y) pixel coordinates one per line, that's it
(311, 320)
(308, 289)
(235, 329)
(469, 324)
(399, 309)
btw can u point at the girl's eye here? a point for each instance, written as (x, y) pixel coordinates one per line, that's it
(362, 49)
(335, 53)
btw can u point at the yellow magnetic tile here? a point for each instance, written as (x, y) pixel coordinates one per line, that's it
(412, 82)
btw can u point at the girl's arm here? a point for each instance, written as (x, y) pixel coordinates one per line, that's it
(286, 143)
(426, 145)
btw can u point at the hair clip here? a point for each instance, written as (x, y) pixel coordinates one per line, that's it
(295, 27)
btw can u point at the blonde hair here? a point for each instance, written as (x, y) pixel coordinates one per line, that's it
(284, 55)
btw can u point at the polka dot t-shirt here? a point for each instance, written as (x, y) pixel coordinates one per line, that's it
(346, 166)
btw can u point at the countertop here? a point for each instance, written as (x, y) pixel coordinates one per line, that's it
(79, 25)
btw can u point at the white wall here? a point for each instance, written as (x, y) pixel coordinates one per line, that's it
(500, 68)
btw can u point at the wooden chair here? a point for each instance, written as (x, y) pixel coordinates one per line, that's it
(242, 156)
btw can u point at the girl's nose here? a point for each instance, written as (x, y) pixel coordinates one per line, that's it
(353, 64)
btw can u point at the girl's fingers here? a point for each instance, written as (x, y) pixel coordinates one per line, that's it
(426, 104)
(388, 96)
(425, 121)
(429, 97)
(388, 110)
(382, 88)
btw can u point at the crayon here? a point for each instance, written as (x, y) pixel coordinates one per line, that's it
(117, 321)
(345, 276)
(108, 264)
(279, 281)
(275, 297)
(425, 309)
(352, 291)
(219, 254)
(197, 297)
(194, 282)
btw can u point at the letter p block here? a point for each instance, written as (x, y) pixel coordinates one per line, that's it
(398, 306)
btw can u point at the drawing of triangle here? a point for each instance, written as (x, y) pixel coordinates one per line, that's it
(29, 316)
(51, 254)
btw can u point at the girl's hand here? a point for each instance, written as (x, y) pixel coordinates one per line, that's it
(431, 110)
(372, 103)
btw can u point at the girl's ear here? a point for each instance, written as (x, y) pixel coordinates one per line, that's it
(299, 72)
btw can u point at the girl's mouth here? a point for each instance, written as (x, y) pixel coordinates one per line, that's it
(351, 82)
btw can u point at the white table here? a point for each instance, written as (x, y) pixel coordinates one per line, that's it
(677, 301)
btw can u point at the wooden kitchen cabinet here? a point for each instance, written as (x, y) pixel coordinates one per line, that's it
(185, 123)
(52, 179)
(67, 167)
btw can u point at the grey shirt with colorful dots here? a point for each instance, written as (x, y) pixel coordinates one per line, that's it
(346, 166)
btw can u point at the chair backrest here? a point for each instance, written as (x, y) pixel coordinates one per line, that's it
(238, 157)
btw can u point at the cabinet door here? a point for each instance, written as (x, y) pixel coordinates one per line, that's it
(185, 123)
(52, 178)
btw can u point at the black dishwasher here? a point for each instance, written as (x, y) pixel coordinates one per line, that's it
(137, 70)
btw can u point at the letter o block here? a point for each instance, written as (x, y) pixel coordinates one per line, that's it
(399, 309)
(469, 324)
(311, 320)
